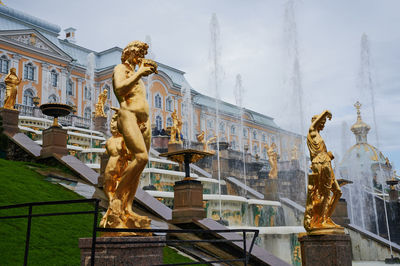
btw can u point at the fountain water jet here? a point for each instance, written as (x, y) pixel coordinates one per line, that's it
(215, 71)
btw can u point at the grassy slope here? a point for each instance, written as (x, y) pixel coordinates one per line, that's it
(54, 240)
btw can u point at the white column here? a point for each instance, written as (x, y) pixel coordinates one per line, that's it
(79, 98)
(45, 83)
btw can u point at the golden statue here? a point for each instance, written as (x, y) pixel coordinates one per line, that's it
(321, 182)
(273, 160)
(175, 129)
(100, 104)
(134, 125)
(200, 138)
(11, 81)
(119, 158)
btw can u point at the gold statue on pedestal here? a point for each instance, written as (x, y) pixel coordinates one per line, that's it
(134, 125)
(11, 81)
(273, 160)
(200, 138)
(321, 182)
(175, 129)
(101, 101)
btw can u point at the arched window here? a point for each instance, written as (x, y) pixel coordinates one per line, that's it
(245, 132)
(106, 110)
(210, 124)
(54, 78)
(52, 98)
(255, 148)
(265, 153)
(263, 138)
(70, 88)
(106, 87)
(233, 130)
(87, 93)
(254, 134)
(4, 64)
(157, 101)
(169, 122)
(222, 127)
(88, 113)
(2, 93)
(168, 104)
(28, 97)
(233, 145)
(159, 122)
(29, 71)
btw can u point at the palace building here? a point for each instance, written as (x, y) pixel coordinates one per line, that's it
(54, 68)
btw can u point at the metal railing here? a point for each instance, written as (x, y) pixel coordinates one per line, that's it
(242, 239)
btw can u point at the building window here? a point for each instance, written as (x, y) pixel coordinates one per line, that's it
(70, 88)
(265, 153)
(28, 97)
(88, 113)
(2, 93)
(255, 149)
(29, 71)
(254, 134)
(52, 99)
(168, 104)
(4, 64)
(157, 101)
(169, 122)
(106, 87)
(263, 137)
(233, 145)
(87, 93)
(54, 77)
(210, 124)
(244, 132)
(159, 123)
(233, 130)
(222, 127)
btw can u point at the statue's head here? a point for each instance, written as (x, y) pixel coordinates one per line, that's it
(13, 70)
(134, 51)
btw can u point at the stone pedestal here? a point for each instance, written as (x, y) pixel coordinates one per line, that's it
(188, 201)
(10, 120)
(54, 141)
(271, 189)
(123, 254)
(393, 195)
(103, 163)
(175, 147)
(100, 124)
(326, 250)
(340, 215)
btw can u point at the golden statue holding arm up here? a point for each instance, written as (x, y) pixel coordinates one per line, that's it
(321, 182)
(175, 129)
(11, 81)
(134, 125)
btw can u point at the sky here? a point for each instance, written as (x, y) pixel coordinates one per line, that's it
(254, 43)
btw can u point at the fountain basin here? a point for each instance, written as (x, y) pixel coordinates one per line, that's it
(56, 110)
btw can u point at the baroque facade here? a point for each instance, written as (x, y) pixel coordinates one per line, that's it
(54, 68)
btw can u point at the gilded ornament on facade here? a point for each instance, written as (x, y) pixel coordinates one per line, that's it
(130, 153)
(11, 81)
(323, 191)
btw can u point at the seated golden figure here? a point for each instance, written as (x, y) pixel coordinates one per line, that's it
(101, 101)
(200, 138)
(11, 81)
(323, 189)
(134, 125)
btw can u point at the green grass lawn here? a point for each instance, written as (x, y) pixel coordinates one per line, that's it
(54, 240)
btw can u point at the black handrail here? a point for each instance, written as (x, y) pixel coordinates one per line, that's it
(153, 231)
